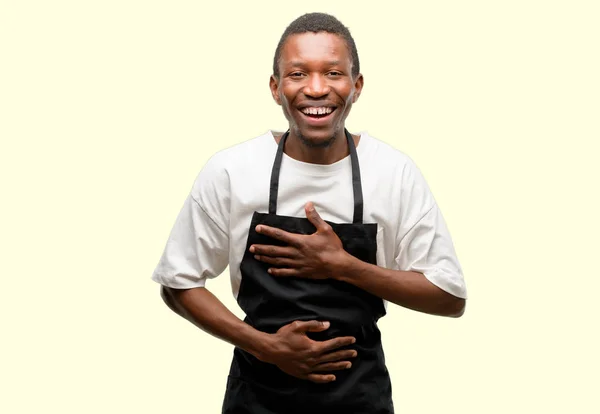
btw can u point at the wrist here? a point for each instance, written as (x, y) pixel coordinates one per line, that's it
(346, 267)
(261, 346)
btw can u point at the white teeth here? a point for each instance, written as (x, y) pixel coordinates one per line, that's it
(317, 111)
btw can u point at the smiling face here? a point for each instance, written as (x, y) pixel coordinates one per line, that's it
(315, 86)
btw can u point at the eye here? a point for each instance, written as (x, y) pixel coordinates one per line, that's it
(296, 74)
(335, 73)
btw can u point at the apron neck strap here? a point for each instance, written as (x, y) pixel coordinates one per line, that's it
(356, 182)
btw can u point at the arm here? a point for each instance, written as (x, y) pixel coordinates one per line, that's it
(408, 289)
(197, 250)
(321, 255)
(290, 349)
(207, 312)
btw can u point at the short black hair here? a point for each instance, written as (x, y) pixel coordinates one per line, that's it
(318, 22)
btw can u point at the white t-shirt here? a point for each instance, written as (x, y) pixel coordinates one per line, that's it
(211, 230)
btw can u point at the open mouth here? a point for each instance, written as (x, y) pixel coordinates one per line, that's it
(317, 112)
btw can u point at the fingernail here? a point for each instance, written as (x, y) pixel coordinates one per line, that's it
(325, 324)
(353, 340)
(258, 228)
(348, 365)
(251, 249)
(257, 257)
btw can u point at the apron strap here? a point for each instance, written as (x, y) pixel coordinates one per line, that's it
(275, 175)
(356, 182)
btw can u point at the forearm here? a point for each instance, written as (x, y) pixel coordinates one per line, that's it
(206, 311)
(408, 289)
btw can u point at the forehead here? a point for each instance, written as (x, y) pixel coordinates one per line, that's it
(314, 48)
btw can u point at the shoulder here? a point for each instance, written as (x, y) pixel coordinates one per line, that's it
(234, 161)
(399, 171)
(250, 151)
(379, 154)
(237, 157)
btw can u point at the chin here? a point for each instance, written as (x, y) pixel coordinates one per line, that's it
(317, 139)
(317, 143)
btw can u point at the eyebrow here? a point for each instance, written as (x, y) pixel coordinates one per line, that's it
(300, 63)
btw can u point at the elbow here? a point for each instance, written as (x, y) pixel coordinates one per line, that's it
(447, 304)
(170, 299)
(456, 308)
(166, 295)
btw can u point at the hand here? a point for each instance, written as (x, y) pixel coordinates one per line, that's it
(292, 351)
(316, 256)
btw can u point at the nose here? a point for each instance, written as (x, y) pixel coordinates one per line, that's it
(316, 86)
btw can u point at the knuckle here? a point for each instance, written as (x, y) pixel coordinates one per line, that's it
(314, 351)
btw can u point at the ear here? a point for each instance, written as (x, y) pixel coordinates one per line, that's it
(358, 85)
(274, 85)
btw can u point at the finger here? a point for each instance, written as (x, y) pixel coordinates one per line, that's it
(336, 356)
(314, 217)
(320, 378)
(310, 326)
(284, 272)
(274, 232)
(275, 251)
(335, 343)
(332, 366)
(276, 261)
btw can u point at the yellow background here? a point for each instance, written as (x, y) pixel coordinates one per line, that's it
(110, 108)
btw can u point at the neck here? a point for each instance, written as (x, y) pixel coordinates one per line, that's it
(301, 149)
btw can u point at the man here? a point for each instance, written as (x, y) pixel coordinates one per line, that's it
(320, 228)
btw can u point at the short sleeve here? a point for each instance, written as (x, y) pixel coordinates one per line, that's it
(424, 242)
(198, 246)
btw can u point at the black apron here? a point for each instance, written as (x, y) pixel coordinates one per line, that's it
(270, 302)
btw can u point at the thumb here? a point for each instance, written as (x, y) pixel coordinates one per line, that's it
(313, 216)
(312, 326)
